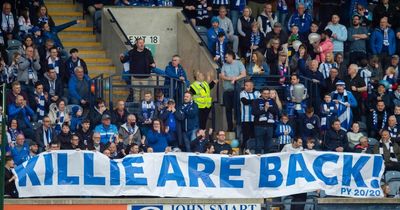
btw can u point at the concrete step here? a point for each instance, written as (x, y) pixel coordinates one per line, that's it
(83, 45)
(63, 14)
(63, 7)
(101, 69)
(78, 29)
(98, 61)
(82, 23)
(92, 54)
(80, 37)
(95, 74)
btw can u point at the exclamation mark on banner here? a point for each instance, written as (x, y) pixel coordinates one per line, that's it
(378, 162)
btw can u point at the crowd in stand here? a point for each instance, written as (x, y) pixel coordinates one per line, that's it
(348, 56)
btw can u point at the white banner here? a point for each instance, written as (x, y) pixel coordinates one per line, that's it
(85, 173)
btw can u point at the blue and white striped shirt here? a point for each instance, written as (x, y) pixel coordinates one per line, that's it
(246, 115)
(280, 130)
(220, 2)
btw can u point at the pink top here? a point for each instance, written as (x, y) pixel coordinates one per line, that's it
(325, 47)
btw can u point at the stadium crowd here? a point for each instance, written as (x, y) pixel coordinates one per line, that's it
(346, 50)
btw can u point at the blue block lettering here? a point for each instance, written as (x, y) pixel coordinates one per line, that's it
(319, 163)
(22, 172)
(266, 172)
(48, 176)
(204, 175)
(63, 178)
(176, 175)
(349, 170)
(293, 173)
(114, 173)
(89, 178)
(227, 171)
(130, 171)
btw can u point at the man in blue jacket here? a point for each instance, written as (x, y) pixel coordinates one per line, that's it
(300, 19)
(188, 114)
(23, 114)
(79, 88)
(212, 33)
(383, 42)
(20, 151)
(175, 71)
(107, 131)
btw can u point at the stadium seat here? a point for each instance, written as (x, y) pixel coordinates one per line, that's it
(392, 178)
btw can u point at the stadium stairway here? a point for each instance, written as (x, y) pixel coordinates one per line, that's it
(81, 36)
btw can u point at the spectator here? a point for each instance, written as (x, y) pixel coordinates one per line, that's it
(174, 71)
(327, 8)
(386, 191)
(299, 60)
(15, 91)
(235, 9)
(169, 117)
(147, 112)
(23, 114)
(54, 146)
(377, 119)
(357, 36)
(257, 66)
(29, 42)
(58, 115)
(43, 17)
(188, 114)
(64, 137)
(336, 138)
(76, 118)
(363, 13)
(247, 119)
(97, 112)
(24, 23)
(119, 114)
(300, 19)
(41, 101)
(212, 33)
(390, 78)
(281, 67)
(272, 53)
(282, 11)
(345, 101)
(256, 40)
(72, 62)
(190, 10)
(310, 145)
(209, 148)
(20, 151)
(356, 86)
(244, 27)
(52, 85)
(393, 129)
(130, 131)
(294, 146)
(317, 81)
(231, 72)
(339, 34)
(9, 178)
(220, 48)
(28, 67)
(202, 13)
(201, 91)
(220, 146)
(277, 32)
(330, 82)
(37, 36)
(45, 134)
(108, 131)
(354, 135)
(44, 50)
(325, 67)
(9, 21)
(267, 19)
(79, 88)
(160, 101)
(324, 47)
(226, 24)
(12, 133)
(275, 97)
(95, 144)
(133, 149)
(85, 134)
(265, 112)
(114, 149)
(311, 125)
(389, 150)
(385, 9)
(294, 108)
(383, 41)
(74, 144)
(341, 66)
(363, 146)
(52, 33)
(140, 62)
(200, 142)
(157, 137)
(95, 8)
(394, 62)
(328, 112)
(284, 131)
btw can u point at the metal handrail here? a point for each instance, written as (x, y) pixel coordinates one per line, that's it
(114, 20)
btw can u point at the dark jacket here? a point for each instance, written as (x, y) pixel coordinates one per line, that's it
(9, 187)
(15, 30)
(40, 137)
(118, 119)
(258, 111)
(335, 139)
(188, 114)
(69, 66)
(133, 56)
(85, 138)
(59, 90)
(64, 139)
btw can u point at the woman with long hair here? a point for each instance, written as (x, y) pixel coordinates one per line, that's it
(43, 17)
(157, 137)
(257, 64)
(274, 96)
(24, 22)
(299, 60)
(272, 52)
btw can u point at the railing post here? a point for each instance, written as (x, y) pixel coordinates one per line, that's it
(3, 146)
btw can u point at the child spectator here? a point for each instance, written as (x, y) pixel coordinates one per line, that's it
(328, 112)
(284, 131)
(220, 49)
(65, 136)
(76, 118)
(390, 78)
(310, 144)
(354, 135)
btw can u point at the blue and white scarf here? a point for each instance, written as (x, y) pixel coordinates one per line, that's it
(44, 19)
(392, 157)
(345, 115)
(375, 119)
(386, 37)
(40, 106)
(220, 50)
(54, 64)
(255, 39)
(148, 109)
